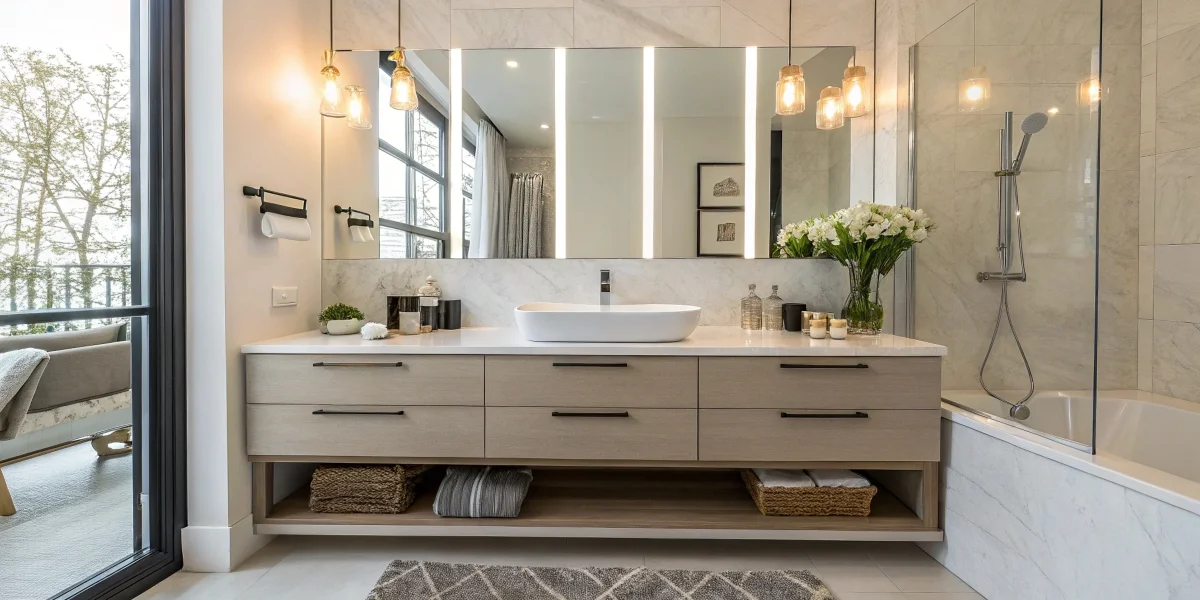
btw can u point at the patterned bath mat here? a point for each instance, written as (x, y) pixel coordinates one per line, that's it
(415, 580)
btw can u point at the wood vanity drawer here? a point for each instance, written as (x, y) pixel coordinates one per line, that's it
(329, 431)
(364, 379)
(837, 383)
(819, 435)
(592, 381)
(571, 433)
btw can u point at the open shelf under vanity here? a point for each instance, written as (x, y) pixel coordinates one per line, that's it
(610, 503)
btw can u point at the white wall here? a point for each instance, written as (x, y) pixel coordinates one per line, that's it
(350, 163)
(686, 142)
(252, 86)
(604, 193)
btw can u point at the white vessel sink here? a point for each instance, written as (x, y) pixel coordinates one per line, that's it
(554, 322)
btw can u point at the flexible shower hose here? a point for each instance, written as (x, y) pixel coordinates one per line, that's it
(1017, 410)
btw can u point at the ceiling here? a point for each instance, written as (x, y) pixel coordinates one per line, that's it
(516, 100)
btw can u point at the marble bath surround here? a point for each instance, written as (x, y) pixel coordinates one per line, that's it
(1028, 518)
(490, 289)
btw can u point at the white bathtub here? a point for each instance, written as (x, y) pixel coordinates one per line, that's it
(1147, 430)
(1027, 516)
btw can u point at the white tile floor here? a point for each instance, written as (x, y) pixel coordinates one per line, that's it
(327, 568)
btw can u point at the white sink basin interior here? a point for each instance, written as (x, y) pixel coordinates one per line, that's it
(556, 322)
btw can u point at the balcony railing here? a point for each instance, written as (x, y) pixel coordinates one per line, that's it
(68, 286)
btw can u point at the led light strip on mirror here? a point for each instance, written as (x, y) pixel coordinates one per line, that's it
(751, 150)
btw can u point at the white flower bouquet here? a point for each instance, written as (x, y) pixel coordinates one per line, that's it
(869, 239)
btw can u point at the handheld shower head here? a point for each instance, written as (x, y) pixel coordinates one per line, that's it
(1029, 126)
(1034, 123)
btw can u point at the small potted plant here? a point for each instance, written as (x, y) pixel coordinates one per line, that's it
(341, 319)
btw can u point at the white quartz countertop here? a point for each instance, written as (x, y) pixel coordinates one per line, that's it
(705, 341)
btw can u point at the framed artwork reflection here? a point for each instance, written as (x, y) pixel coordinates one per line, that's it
(720, 233)
(720, 185)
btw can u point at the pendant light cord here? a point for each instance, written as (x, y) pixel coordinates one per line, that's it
(790, 4)
(330, 25)
(400, 23)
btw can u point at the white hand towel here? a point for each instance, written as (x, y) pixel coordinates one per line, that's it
(358, 233)
(286, 228)
(838, 478)
(784, 478)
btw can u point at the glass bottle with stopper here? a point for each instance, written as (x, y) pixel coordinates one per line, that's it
(752, 311)
(773, 311)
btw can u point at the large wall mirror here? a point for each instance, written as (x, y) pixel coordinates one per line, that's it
(584, 153)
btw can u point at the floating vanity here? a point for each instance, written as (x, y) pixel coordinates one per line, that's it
(628, 440)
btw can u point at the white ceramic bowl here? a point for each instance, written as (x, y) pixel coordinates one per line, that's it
(343, 326)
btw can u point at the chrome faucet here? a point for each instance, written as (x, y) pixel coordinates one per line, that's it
(605, 287)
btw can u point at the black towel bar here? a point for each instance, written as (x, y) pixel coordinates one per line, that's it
(351, 221)
(265, 207)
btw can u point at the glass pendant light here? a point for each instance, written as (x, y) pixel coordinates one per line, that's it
(856, 91)
(358, 108)
(975, 88)
(830, 112)
(1089, 91)
(332, 104)
(404, 87)
(789, 90)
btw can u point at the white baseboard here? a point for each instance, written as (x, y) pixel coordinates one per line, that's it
(220, 549)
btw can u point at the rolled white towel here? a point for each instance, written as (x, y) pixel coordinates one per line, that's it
(361, 234)
(283, 227)
(838, 478)
(786, 478)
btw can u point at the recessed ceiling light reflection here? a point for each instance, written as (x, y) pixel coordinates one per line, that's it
(1052, 111)
(512, 64)
(545, 126)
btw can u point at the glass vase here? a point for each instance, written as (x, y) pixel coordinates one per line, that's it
(863, 309)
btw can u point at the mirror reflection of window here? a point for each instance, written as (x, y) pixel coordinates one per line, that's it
(413, 162)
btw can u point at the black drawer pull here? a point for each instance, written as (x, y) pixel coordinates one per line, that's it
(322, 411)
(853, 415)
(584, 364)
(808, 366)
(589, 414)
(360, 364)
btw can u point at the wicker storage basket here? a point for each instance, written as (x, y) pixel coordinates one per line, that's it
(809, 502)
(379, 489)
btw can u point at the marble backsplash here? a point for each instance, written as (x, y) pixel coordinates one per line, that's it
(490, 289)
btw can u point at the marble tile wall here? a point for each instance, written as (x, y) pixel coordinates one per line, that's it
(1019, 525)
(371, 24)
(490, 289)
(1036, 53)
(1169, 200)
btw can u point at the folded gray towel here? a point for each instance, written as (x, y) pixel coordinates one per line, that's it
(482, 492)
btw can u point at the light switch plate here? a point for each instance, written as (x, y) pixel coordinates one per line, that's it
(284, 296)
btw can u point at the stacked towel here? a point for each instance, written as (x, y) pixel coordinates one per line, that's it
(482, 492)
(786, 478)
(838, 478)
(380, 489)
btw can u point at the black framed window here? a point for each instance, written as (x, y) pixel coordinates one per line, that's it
(468, 192)
(413, 165)
(93, 259)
